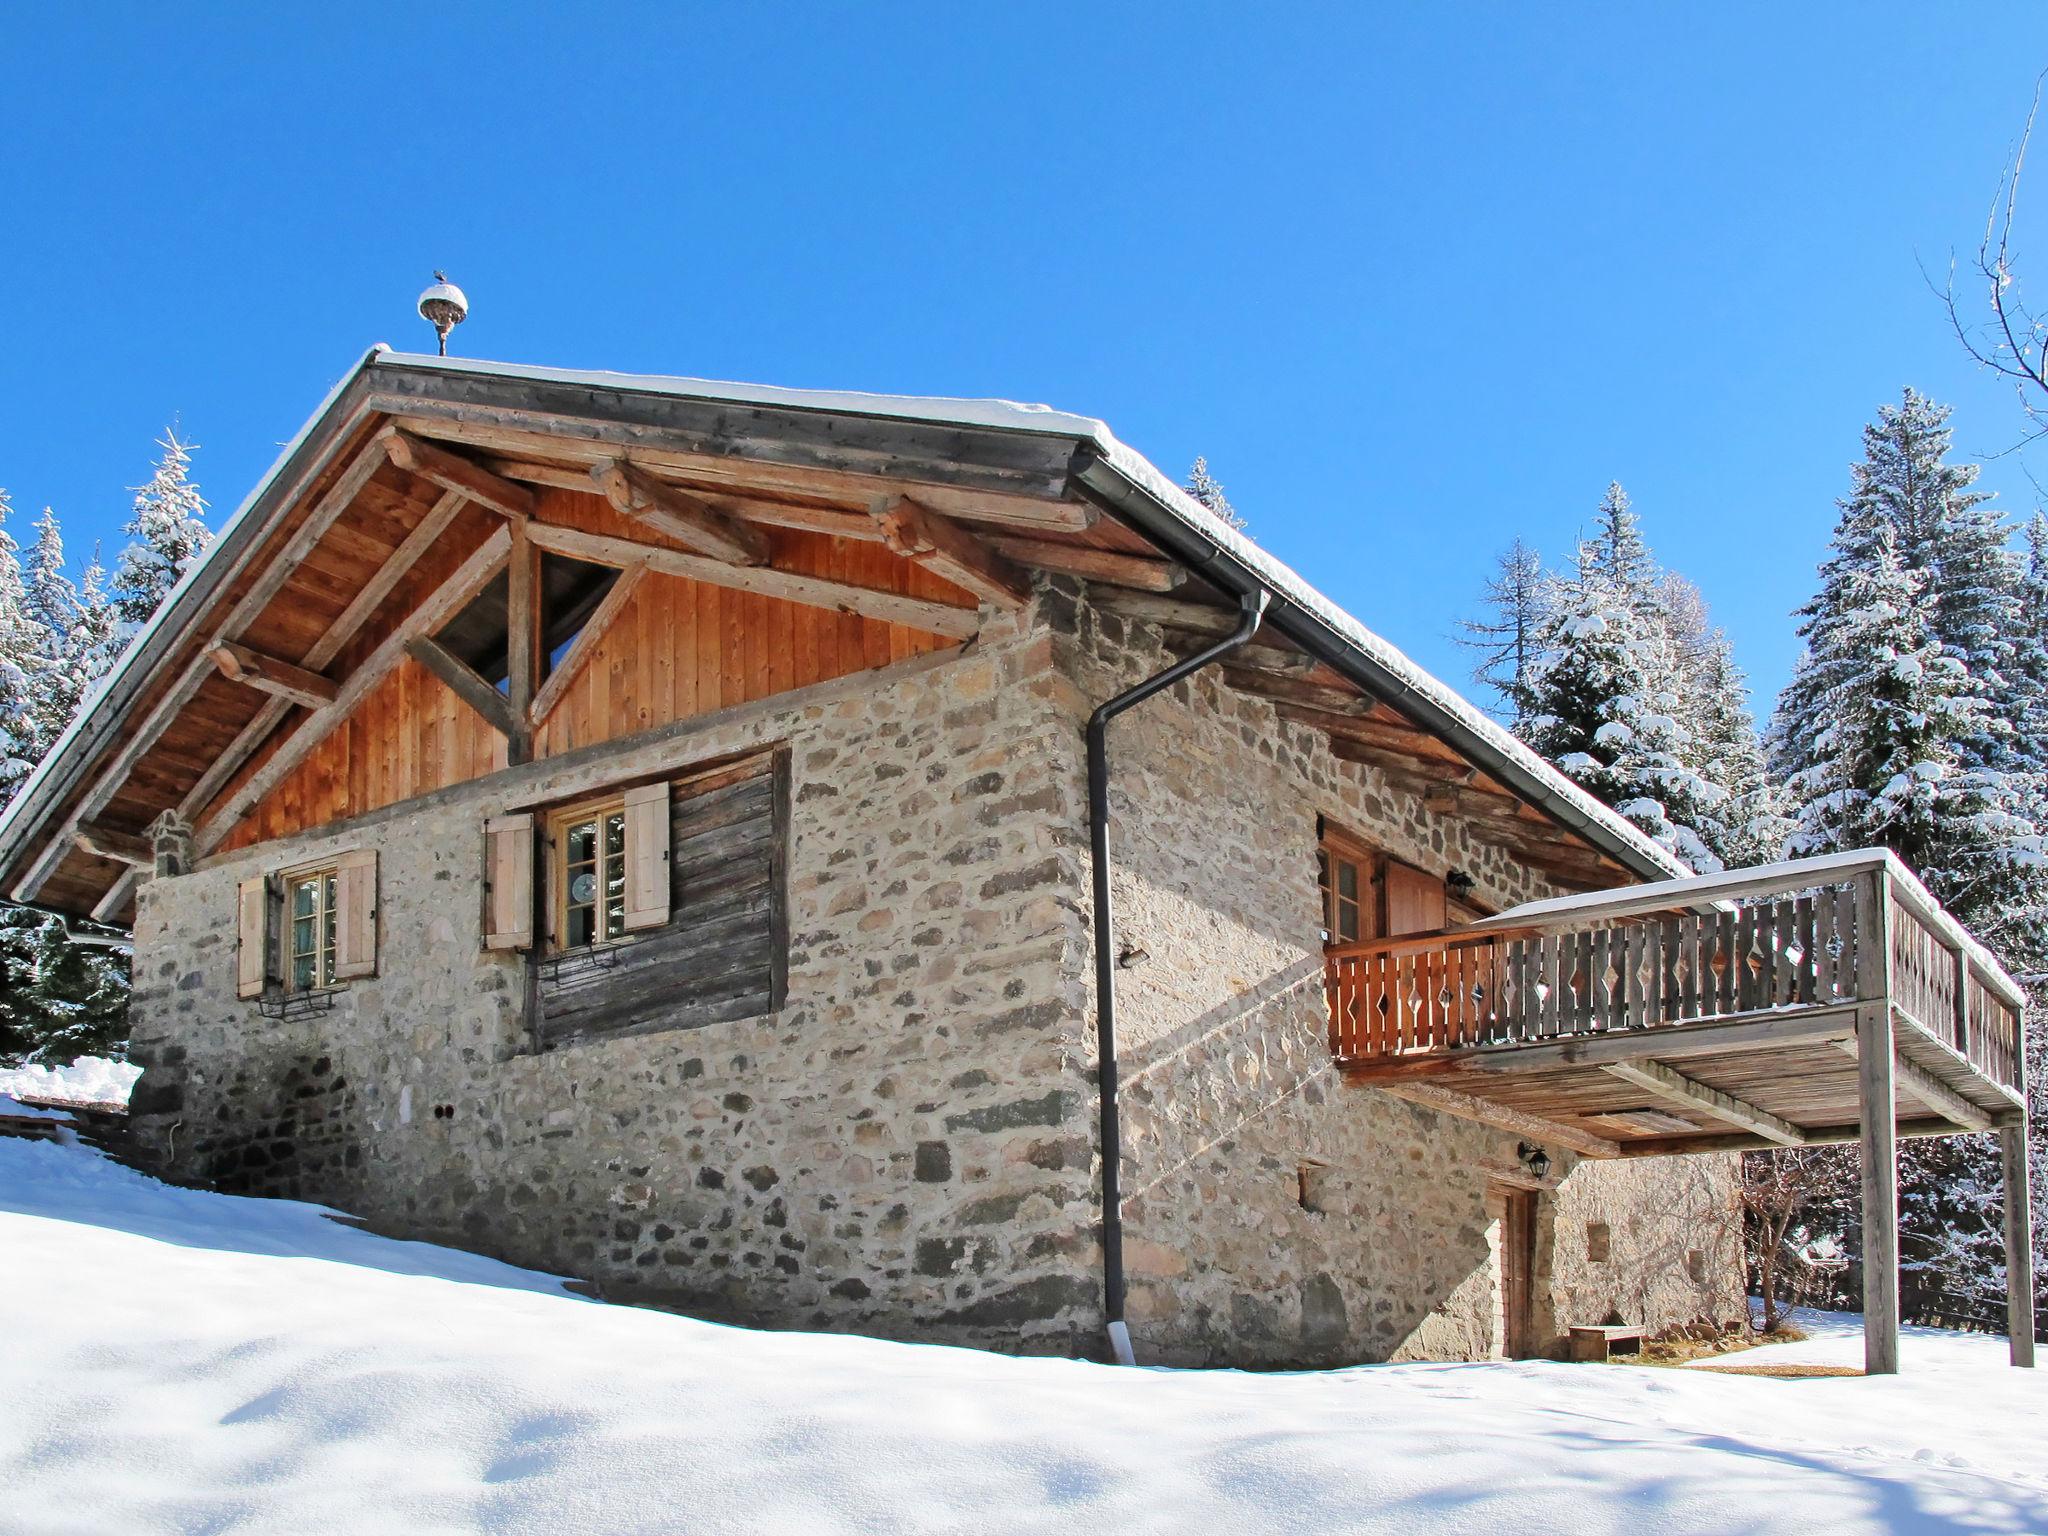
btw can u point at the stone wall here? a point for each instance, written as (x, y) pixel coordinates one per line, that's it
(905, 1148)
(1276, 1215)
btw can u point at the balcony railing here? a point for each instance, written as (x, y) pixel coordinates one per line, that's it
(1828, 933)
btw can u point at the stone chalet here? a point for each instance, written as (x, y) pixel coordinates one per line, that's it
(897, 865)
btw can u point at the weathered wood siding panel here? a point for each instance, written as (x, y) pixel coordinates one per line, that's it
(723, 954)
(675, 648)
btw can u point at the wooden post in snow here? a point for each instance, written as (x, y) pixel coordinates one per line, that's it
(1878, 1114)
(2019, 1244)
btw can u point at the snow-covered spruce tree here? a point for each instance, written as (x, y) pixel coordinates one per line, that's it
(1604, 689)
(1885, 736)
(1208, 490)
(97, 643)
(21, 649)
(1505, 634)
(1745, 826)
(51, 605)
(168, 532)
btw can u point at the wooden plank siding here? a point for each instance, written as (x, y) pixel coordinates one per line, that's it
(722, 952)
(676, 648)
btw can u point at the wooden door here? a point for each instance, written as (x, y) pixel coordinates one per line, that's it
(1416, 901)
(1518, 1272)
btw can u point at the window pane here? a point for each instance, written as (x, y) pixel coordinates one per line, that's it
(1347, 920)
(1347, 879)
(579, 934)
(582, 842)
(302, 898)
(615, 874)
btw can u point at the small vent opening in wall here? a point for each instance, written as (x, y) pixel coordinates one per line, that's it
(1311, 1181)
(1598, 1239)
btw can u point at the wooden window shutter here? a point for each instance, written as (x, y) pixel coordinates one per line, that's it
(647, 851)
(355, 915)
(252, 937)
(1415, 901)
(508, 882)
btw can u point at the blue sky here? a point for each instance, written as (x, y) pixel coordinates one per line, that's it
(1415, 278)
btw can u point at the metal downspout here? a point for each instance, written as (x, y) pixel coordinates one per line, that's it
(1251, 609)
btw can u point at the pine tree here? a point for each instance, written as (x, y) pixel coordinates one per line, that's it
(1208, 490)
(51, 606)
(1619, 553)
(1604, 689)
(21, 647)
(168, 530)
(98, 642)
(1505, 637)
(1746, 826)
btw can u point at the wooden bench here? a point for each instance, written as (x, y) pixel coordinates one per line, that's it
(1603, 1341)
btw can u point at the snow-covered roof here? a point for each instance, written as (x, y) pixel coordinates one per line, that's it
(1221, 553)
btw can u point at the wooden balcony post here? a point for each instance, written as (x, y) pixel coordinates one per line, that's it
(2019, 1244)
(1878, 1106)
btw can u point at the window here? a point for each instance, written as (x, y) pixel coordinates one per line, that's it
(590, 883)
(310, 902)
(1369, 895)
(308, 929)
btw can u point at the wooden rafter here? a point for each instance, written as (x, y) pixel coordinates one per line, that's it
(453, 472)
(1298, 692)
(584, 441)
(443, 604)
(1670, 1084)
(636, 494)
(586, 643)
(817, 591)
(1933, 1092)
(947, 550)
(244, 664)
(768, 512)
(367, 461)
(465, 683)
(120, 847)
(1502, 1117)
(1138, 573)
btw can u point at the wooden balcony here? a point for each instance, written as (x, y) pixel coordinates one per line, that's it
(1691, 1015)
(1823, 1000)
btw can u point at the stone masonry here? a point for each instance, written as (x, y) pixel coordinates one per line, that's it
(907, 1148)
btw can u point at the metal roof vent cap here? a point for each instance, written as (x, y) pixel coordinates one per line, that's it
(444, 306)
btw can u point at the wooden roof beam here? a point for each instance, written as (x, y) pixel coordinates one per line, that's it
(452, 472)
(1468, 1106)
(1137, 573)
(340, 495)
(1298, 692)
(950, 552)
(440, 606)
(465, 683)
(667, 509)
(1670, 1084)
(118, 847)
(243, 664)
(816, 591)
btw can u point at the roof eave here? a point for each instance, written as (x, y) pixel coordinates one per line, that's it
(1133, 490)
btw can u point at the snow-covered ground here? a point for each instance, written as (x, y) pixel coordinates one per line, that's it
(176, 1361)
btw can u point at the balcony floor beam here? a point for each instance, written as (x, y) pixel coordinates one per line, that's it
(1669, 1083)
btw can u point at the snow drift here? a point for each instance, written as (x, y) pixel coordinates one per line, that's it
(179, 1361)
